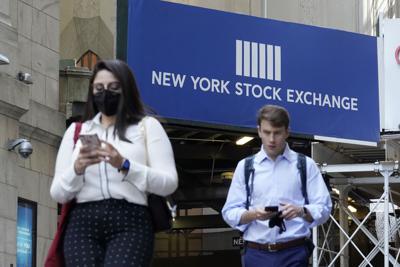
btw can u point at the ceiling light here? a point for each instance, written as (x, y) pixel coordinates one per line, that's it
(4, 60)
(227, 175)
(335, 190)
(352, 209)
(243, 140)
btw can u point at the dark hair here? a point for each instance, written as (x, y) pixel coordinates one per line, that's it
(276, 115)
(130, 109)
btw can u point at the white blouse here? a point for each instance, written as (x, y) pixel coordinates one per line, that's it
(152, 170)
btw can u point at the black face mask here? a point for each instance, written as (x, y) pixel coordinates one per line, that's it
(107, 102)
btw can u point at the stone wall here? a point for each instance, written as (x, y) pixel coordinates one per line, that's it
(348, 15)
(29, 37)
(87, 25)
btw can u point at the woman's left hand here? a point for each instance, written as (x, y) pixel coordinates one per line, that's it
(111, 155)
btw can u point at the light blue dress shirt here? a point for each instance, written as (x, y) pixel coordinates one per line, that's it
(277, 182)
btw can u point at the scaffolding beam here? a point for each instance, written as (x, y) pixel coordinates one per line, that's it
(360, 167)
(386, 169)
(363, 180)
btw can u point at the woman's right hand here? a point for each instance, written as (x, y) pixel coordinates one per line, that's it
(87, 156)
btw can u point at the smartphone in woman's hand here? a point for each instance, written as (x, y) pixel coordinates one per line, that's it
(90, 140)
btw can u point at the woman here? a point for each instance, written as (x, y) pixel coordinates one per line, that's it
(110, 224)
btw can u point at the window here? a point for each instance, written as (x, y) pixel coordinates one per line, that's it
(88, 60)
(26, 233)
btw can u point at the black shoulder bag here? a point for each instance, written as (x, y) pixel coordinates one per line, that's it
(162, 209)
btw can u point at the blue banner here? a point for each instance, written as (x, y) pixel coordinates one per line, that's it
(24, 235)
(216, 67)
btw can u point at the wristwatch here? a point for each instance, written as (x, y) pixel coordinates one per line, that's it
(125, 166)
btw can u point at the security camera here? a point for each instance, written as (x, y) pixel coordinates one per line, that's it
(24, 147)
(25, 77)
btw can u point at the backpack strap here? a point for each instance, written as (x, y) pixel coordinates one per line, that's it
(248, 171)
(302, 166)
(78, 127)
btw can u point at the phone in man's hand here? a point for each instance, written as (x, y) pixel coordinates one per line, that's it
(274, 211)
(90, 140)
(271, 208)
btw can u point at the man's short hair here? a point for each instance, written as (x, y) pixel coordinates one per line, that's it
(276, 115)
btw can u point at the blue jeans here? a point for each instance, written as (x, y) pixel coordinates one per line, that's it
(291, 257)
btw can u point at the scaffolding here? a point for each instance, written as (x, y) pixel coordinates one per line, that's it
(325, 255)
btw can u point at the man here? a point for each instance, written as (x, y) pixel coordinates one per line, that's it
(276, 182)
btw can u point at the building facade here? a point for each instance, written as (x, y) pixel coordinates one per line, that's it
(34, 36)
(29, 39)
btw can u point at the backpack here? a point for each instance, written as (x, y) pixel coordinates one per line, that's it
(249, 173)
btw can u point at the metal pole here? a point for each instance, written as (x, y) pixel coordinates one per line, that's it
(344, 224)
(315, 252)
(387, 168)
(386, 218)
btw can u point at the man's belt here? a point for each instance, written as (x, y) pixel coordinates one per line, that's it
(277, 246)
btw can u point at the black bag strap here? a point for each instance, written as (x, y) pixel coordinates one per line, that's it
(248, 172)
(302, 166)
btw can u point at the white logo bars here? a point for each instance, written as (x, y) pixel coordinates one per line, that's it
(263, 65)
